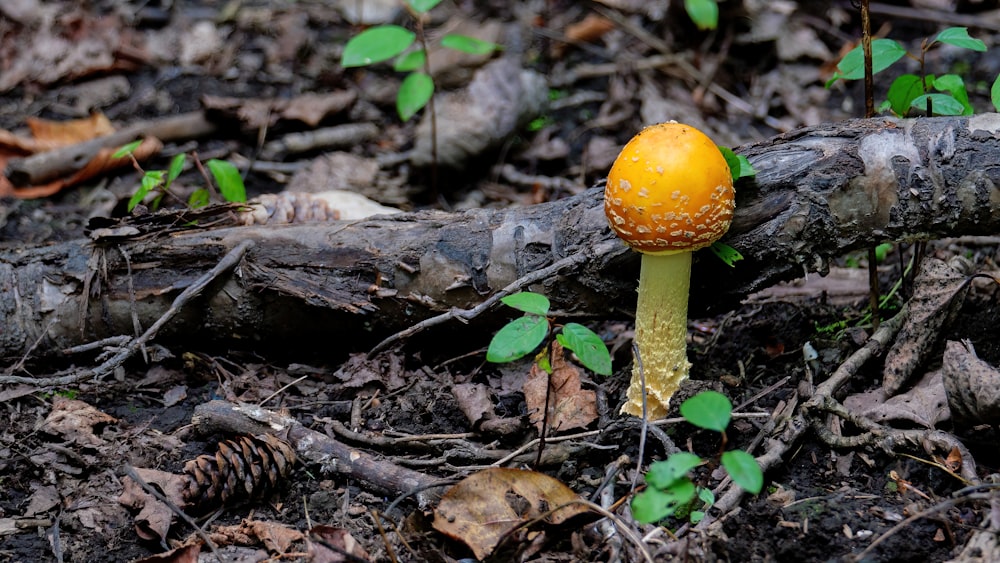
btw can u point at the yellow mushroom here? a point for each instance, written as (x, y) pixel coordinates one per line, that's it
(669, 193)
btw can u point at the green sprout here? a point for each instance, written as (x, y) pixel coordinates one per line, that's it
(704, 13)
(941, 95)
(227, 178)
(739, 167)
(523, 335)
(384, 42)
(669, 488)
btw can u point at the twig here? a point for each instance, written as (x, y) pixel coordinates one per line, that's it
(134, 475)
(939, 507)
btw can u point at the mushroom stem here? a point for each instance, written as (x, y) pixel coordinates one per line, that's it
(660, 332)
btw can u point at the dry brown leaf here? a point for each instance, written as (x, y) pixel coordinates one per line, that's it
(311, 109)
(47, 135)
(154, 517)
(485, 506)
(63, 133)
(76, 421)
(972, 385)
(589, 28)
(937, 295)
(328, 544)
(474, 401)
(569, 406)
(501, 97)
(276, 537)
(102, 163)
(184, 554)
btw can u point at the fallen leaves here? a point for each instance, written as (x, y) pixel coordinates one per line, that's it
(487, 506)
(569, 405)
(50, 135)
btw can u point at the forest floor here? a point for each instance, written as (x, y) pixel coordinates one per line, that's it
(574, 81)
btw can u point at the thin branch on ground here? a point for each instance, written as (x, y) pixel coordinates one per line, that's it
(131, 472)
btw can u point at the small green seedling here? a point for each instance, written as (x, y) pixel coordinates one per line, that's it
(523, 335)
(941, 95)
(739, 167)
(383, 42)
(704, 13)
(669, 487)
(226, 176)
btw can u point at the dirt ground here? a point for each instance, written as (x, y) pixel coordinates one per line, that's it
(895, 488)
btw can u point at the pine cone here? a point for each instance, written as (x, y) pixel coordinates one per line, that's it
(243, 469)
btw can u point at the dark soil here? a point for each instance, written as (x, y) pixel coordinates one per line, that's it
(60, 485)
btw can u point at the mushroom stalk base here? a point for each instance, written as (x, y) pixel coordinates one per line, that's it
(660, 333)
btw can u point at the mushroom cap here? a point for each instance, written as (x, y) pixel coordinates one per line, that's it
(669, 190)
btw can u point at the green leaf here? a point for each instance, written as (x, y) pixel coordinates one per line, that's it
(954, 85)
(995, 93)
(423, 6)
(852, 66)
(663, 474)
(375, 45)
(710, 410)
(467, 44)
(410, 61)
(198, 198)
(743, 468)
(529, 302)
(731, 160)
(653, 505)
(587, 346)
(704, 13)
(414, 93)
(706, 496)
(881, 250)
(903, 91)
(726, 253)
(746, 169)
(517, 339)
(959, 37)
(942, 104)
(176, 167)
(229, 180)
(150, 181)
(696, 516)
(542, 361)
(127, 149)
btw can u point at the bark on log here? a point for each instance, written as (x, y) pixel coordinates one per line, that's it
(819, 192)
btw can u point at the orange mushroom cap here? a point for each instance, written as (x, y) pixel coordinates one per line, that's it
(669, 190)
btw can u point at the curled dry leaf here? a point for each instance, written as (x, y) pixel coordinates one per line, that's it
(501, 97)
(276, 537)
(328, 544)
(154, 518)
(481, 509)
(569, 405)
(184, 554)
(972, 385)
(76, 421)
(937, 296)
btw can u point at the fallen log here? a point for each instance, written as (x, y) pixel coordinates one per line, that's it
(819, 192)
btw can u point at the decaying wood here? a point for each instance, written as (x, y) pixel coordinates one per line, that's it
(819, 192)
